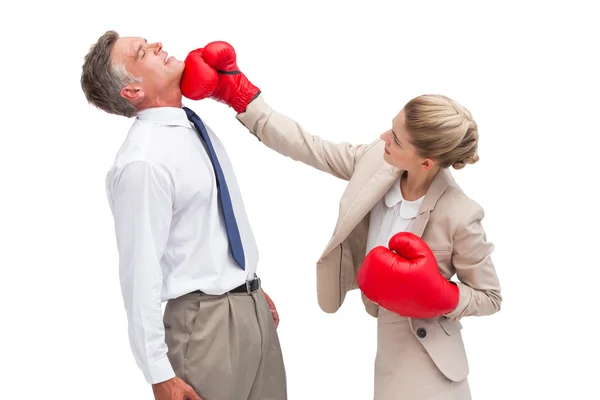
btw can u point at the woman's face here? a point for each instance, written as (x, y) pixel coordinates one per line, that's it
(398, 150)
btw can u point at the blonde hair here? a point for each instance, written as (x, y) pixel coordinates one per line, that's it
(443, 130)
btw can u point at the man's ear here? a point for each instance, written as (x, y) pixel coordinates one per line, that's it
(132, 94)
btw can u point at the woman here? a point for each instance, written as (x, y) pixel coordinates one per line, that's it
(398, 183)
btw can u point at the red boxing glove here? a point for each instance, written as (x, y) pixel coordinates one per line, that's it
(406, 280)
(234, 88)
(199, 80)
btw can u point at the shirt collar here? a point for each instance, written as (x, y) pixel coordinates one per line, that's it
(408, 209)
(165, 116)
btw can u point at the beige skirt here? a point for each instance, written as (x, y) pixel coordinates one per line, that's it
(404, 370)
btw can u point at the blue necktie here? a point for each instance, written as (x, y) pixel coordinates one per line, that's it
(230, 223)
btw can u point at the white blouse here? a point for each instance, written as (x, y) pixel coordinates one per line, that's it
(391, 214)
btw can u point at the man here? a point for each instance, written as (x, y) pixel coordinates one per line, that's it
(183, 237)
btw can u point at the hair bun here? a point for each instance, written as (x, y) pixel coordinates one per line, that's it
(469, 160)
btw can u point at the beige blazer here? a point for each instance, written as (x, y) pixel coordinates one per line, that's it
(448, 221)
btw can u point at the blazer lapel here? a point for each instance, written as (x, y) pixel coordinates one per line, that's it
(372, 191)
(439, 185)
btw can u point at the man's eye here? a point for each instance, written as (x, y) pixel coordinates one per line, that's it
(143, 54)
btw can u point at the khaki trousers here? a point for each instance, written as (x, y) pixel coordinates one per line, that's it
(404, 370)
(225, 347)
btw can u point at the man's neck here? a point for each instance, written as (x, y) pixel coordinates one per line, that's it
(174, 100)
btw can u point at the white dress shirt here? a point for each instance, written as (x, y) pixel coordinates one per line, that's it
(170, 231)
(390, 215)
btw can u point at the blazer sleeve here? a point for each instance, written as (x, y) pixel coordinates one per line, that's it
(479, 286)
(288, 138)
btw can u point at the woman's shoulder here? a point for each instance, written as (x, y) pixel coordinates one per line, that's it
(455, 203)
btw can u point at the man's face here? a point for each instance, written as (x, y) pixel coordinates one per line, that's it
(160, 73)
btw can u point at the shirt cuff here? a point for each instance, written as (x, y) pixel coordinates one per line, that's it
(159, 371)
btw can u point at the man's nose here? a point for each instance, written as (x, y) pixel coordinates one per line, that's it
(156, 47)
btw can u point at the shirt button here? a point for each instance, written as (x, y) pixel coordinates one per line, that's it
(421, 332)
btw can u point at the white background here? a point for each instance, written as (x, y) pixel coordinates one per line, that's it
(527, 71)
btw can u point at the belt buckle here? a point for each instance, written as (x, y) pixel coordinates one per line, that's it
(249, 287)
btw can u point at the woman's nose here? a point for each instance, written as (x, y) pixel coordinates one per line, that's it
(385, 136)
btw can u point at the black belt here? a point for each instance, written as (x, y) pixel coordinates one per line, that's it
(248, 287)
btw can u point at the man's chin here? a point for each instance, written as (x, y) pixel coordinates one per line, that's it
(178, 72)
(180, 65)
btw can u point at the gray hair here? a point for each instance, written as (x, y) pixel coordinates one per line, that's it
(102, 80)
